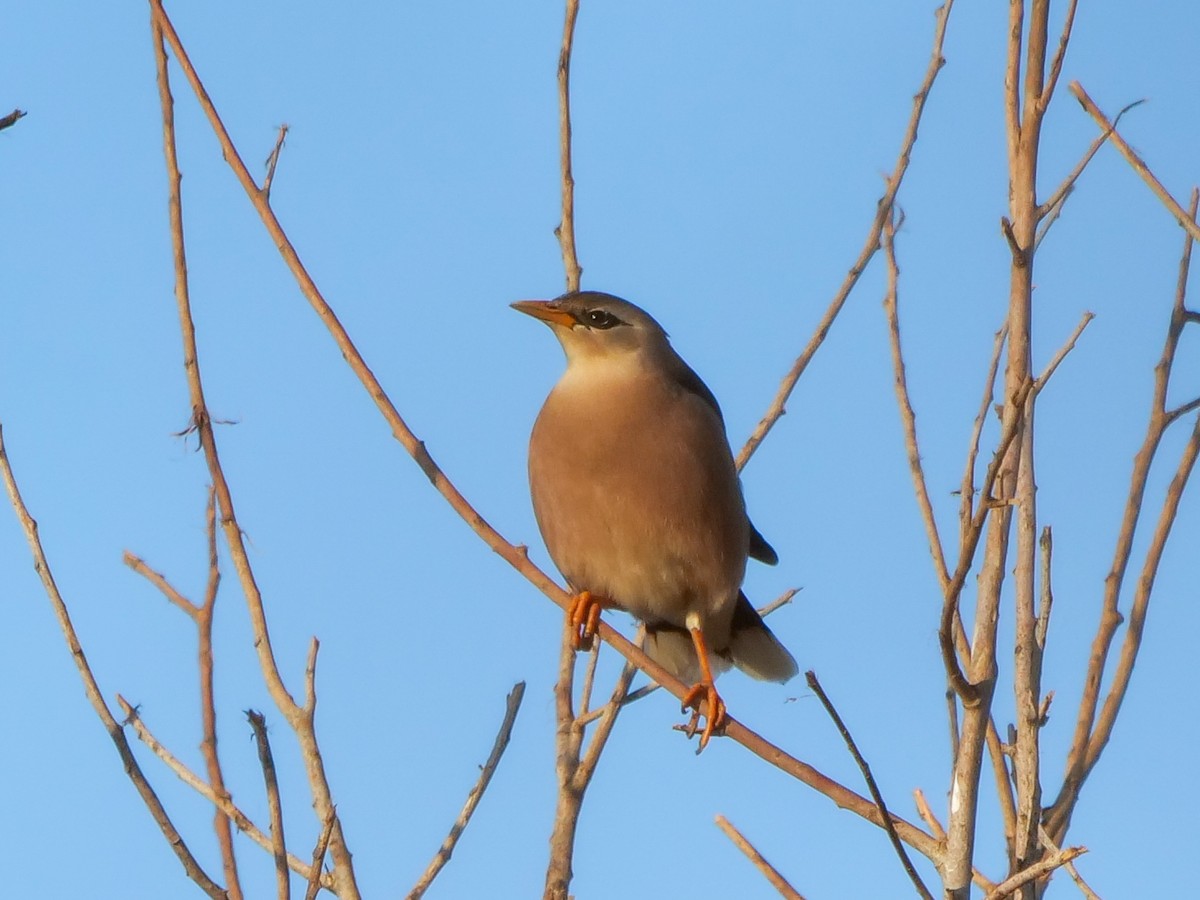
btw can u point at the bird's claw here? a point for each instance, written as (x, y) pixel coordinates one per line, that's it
(705, 692)
(584, 613)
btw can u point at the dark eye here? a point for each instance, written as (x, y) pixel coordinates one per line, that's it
(598, 318)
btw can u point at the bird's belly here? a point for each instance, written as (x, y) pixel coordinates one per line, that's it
(662, 535)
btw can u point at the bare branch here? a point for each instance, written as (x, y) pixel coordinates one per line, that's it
(273, 162)
(1043, 624)
(566, 228)
(258, 723)
(927, 816)
(883, 212)
(1054, 203)
(815, 685)
(1066, 348)
(513, 705)
(318, 860)
(908, 417)
(1059, 55)
(568, 740)
(298, 718)
(1083, 886)
(160, 581)
(769, 871)
(200, 786)
(1180, 215)
(92, 690)
(1091, 735)
(1038, 870)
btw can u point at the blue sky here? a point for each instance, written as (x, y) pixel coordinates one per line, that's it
(728, 162)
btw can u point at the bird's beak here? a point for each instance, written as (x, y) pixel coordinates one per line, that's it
(546, 310)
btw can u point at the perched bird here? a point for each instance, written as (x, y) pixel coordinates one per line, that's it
(638, 499)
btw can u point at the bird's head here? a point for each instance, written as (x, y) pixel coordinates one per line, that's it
(593, 326)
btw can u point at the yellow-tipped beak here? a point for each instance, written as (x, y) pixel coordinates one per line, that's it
(546, 311)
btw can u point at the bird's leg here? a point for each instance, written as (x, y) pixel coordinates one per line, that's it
(704, 690)
(584, 613)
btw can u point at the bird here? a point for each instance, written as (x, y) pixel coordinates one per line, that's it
(640, 504)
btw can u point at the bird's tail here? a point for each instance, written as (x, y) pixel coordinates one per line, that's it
(753, 648)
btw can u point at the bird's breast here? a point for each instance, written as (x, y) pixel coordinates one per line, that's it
(637, 496)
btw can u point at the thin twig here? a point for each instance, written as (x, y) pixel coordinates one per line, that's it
(1046, 542)
(566, 228)
(258, 723)
(1091, 735)
(908, 417)
(967, 490)
(92, 689)
(243, 822)
(769, 871)
(299, 719)
(927, 816)
(1059, 55)
(318, 861)
(273, 161)
(1177, 211)
(1053, 204)
(202, 616)
(1040, 869)
(1083, 886)
(512, 706)
(568, 740)
(1058, 357)
(815, 685)
(883, 212)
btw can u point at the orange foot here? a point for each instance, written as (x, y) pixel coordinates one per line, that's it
(584, 615)
(704, 691)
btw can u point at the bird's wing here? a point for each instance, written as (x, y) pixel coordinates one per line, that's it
(760, 549)
(687, 379)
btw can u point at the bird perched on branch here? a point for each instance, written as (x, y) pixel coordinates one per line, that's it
(638, 500)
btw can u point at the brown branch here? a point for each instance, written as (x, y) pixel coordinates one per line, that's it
(273, 162)
(1091, 735)
(513, 705)
(1059, 55)
(243, 822)
(258, 723)
(1030, 874)
(318, 860)
(1058, 357)
(1083, 886)
(1046, 542)
(1188, 223)
(908, 417)
(300, 719)
(927, 816)
(1055, 201)
(967, 490)
(769, 871)
(92, 689)
(202, 616)
(883, 212)
(815, 685)
(568, 740)
(566, 229)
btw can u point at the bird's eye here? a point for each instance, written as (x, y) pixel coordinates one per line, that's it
(599, 318)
